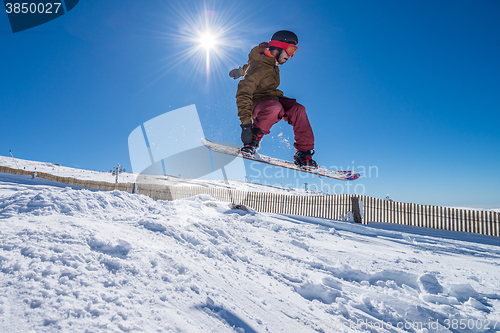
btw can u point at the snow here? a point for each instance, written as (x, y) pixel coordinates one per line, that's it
(76, 260)
(63, 171)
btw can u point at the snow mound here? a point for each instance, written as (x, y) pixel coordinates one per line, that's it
(429, 284)
(79, 260)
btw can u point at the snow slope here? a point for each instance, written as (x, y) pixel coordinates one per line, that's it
(75, 260)
(63, 171)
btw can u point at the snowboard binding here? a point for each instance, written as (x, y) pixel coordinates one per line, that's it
(303, 159)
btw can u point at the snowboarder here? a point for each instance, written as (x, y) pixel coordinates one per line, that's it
(261, 104)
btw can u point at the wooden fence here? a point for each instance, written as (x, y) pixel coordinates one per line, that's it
(465, 220)
(375, 210)
(331, 207)
(72, 181)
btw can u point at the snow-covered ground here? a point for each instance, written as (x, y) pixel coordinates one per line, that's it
(125, 177)
(63, 171)
(75, 260)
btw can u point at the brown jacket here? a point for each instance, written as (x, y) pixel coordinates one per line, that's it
(261, 80)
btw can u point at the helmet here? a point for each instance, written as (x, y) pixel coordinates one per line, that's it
(286, 37)
(284, 40)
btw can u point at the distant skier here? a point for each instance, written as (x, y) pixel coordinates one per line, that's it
(259, 100)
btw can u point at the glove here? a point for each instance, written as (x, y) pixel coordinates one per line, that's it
(235, 73)
(246, 133)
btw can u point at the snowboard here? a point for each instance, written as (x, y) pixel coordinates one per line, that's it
(335, 174)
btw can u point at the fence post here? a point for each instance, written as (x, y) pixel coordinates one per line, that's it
(447, 218)
(383, 210)
(468, 221)
(474, 222)
(328, 207)
(391, 212)
(267, 197)
(463, 220)
(316, 206)
(412, 213)
(323, 202)
(383, 203)
(420, 215)
(355, 209)
(404, 214)
(428, 220)
(312, 203)
(276, 203)
(347, 203)
(341, 206)
(415, 214)
(372, 209)
(267, 206)
(438, 217)
(491, 225)
(425, 221)
(380, 203)
(486, 224)
(497, 226)
(334, 207)
(303, 206)
(390, 217)
(396, 212)
(450, 219)
(481, 223)
(321, 207)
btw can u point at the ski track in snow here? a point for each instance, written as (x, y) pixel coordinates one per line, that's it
(75, 260)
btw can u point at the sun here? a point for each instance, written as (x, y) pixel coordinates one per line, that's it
(202, 39)
(208, 41)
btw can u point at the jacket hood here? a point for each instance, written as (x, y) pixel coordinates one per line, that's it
(258, 54)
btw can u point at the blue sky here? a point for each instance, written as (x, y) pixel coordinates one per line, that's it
(408, 90)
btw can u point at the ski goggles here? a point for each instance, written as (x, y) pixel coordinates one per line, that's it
(290, 49)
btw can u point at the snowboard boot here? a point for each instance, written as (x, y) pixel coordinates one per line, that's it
(303, 159)
(250, 149)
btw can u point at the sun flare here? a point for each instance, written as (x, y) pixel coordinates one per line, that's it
(203, 40)
(208, 41)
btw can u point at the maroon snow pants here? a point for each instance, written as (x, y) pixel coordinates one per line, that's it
(268, 112)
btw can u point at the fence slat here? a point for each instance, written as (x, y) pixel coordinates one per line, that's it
(481, 223)
(420, 215)
(497, 225)
(491, 224)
